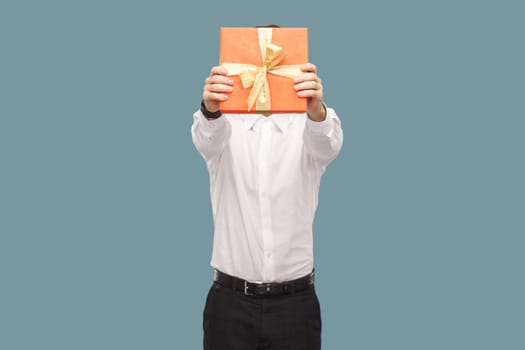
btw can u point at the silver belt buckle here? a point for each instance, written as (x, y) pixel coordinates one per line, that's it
(246, 288)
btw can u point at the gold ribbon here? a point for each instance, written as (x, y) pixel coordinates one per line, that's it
(255, 76)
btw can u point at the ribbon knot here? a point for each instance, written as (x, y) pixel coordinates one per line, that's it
(256, 76)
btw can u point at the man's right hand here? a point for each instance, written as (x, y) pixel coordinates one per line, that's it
(216, 87)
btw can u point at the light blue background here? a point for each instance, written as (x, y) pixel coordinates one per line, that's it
(105, 223)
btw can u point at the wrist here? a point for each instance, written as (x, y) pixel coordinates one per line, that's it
(318, 114)
(208, 114)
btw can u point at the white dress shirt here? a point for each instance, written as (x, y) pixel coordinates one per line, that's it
(265, 174)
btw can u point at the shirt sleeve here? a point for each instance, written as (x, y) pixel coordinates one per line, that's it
(323, 140)
(209, 136)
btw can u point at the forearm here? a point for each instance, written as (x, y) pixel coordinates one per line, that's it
(324, 139)
(209, 135)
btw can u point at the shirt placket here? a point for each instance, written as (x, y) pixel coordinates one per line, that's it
(264, 201)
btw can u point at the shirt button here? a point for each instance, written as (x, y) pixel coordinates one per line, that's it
(268, 255)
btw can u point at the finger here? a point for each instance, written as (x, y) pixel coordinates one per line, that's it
(308, 85)
(218, 70)
(309, 67)
(218, 79)
(218, 88)
(307, 77)
(214, 96)
(310, 93)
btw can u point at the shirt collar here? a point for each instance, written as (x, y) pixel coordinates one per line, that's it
(280, 121)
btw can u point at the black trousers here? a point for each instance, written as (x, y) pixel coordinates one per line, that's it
(234, 321)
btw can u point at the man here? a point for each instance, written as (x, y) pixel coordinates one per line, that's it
(265, 173)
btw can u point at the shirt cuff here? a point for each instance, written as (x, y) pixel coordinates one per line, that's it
(210, 125)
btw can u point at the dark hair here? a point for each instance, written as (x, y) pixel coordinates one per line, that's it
(269, 26)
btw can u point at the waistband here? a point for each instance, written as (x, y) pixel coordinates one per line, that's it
(264, 289)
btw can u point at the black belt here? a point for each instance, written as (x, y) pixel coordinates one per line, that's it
(264, 289)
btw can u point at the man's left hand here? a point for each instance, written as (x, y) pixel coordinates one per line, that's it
(309, 85)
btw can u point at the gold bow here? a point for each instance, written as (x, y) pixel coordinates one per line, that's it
(255, 77)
